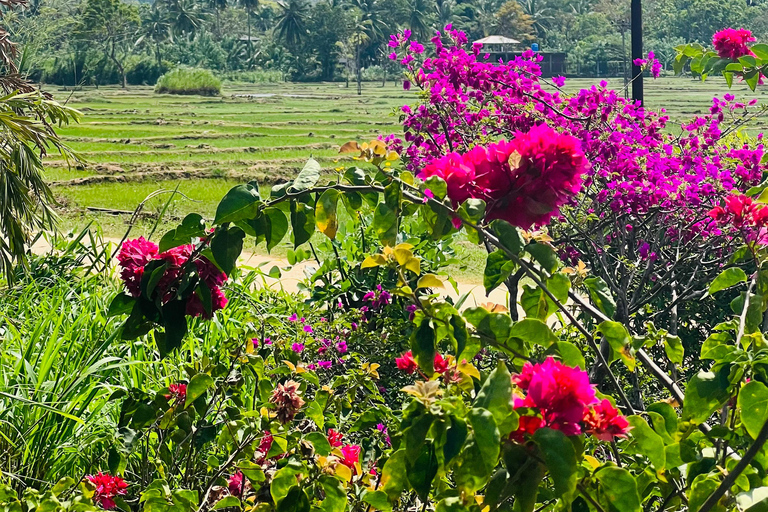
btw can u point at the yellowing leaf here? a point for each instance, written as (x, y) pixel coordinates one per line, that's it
(402, 255)
(289, 365)
(468, 369)
(429, 281)
(343, 472)
(593, 462)
(375, 260)
(391, 156)
(414, 265)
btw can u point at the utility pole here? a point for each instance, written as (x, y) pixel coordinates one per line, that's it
(637, 49)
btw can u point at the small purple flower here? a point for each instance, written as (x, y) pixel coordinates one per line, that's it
(325, 364)
(255, 342)
(411, 309)
(383, 429)
(341, 347)
(293, 317)
(558, 80)
(323, 319)
(354, 326)
(308, 329)
(267, 341)
(297, 347)
(311, 366)
(406, 85)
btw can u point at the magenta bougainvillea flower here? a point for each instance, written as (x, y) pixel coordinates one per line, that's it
(107, 488)
(177, 392)
(335, 438)
(351, 456)
(604, 421)
(560, 394)
(524, 181)
(236, 484)
(731, 43)
(406, 363)
(135, 254)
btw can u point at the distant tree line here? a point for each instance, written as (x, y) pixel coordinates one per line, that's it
(127, 42)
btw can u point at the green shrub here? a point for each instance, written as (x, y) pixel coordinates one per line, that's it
(185, 80)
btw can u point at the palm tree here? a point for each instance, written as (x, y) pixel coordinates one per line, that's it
(157, 28)
(540, 12)
(444, 12)
(250, 6)
(184, 15)
(418, 18)
(361, 34)
(218, 6)
(375, 16)
(291, 22)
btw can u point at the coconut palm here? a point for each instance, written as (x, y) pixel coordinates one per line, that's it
(291, 22)
(418, 18)
(540, 12)
(218, 6)
(185, 16)
(155, 27)
(250, 7)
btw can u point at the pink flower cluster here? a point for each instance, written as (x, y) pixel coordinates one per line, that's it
(135, 254)
(108, 487)
(731, 43)
(651, 62)
(523, 181)
(177, 392)
(561, 397)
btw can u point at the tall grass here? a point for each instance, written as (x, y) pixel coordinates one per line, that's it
(257, 76)
(186, 80)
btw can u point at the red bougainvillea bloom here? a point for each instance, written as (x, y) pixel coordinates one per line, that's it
(524, 181)
(237, 484)
(407, 363)
(604, 421)
(561, 394)
(526, 425)
(740, 211)
(440, 364)
(287, 400)
(335, 438)
(732, 43)
(107, 488)
(133, 256)
(351, 455)
(177, 392)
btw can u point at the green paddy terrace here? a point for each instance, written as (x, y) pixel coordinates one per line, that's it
(136, 142)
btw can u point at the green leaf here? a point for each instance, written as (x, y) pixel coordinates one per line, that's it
(525, 475)
(437, 186)
(460, 334)
(673, 346)
(496, 397)
(620, 488)
(320, 442)
(115, 461)
(226, 246)
(455, 436)
(601, 295)
(498, 267)
(307, 178)
(385, 224)
(121, 304)
(533, 331)
(325, 213)
(544, 255)
(753, 402)
(241, 202)
(302, 222)
(378, 500)
(335, 494)
(647, 442)
(760, 50)
(193, 226)
(393, 475)
(705, 392)
(284, 481)
(175, 323)
(618, 338)
(701, 489)
(570, 354)
(754, 500)
(227, 502)
(480, 453)
(278, 227)
(295, 501)
(472, 210)
(423, 346)
(727, 278)
(560, 458)
(509, 236)
(197, 386)
(422, 469)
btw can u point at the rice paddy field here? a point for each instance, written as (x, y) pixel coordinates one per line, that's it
(134, 142)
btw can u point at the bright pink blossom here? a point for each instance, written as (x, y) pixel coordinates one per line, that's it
(731, 43)
(560, 393)
(133, 256)
(335, 438)
(236, 484)
(107, 488)
(177, 392)
(440, 364)
(604, 421)
(406, 363)
(351, 455)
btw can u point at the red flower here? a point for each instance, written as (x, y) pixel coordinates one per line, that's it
(740, 211)
(107, 488)
(524, 181)
(178, 392)
(559, 393)
(526, 425)
(604, 421)
(335, 438)
(351, 455)
(440, 364)
(731, 43)
(236, 484)
(264, 446)
(133, 256)
(407, 363)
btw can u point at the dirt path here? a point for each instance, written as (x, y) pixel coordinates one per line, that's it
(291, 275)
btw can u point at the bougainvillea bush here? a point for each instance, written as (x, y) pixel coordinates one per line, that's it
(628, 370)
